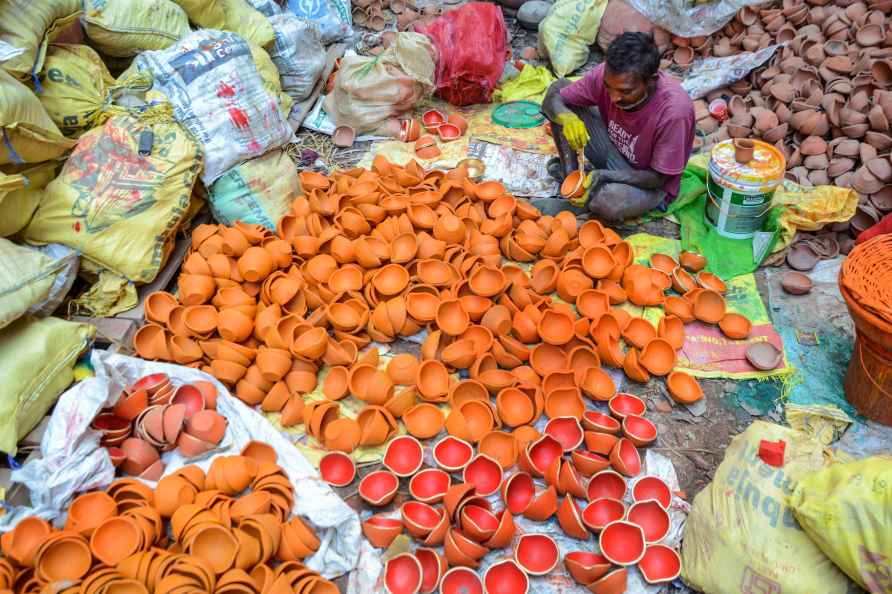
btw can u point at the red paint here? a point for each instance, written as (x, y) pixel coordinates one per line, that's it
(239, 118)
(772, 452)
(225, 90)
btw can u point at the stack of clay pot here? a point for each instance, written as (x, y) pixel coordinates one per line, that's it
(229, 532)
(152, 417)
(824, 99)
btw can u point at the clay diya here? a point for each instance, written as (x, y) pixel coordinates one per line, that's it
(606, 484)
(586, 566)
(518, 491)
(652, 488)
(598, 384)
(505, 577)
(624, 404)
(403, 455)
(337, 469)
(692, 261)
(572, 186)
(420, 519)
(622, 543)
(683, 387)
(660, 564)
(536, 554)
(658, 356)
(402, 574)
(433, 119)
(613, 582)
(639, 431)
(652, 517)
(448, 132)
(461, 580)
(424, 420)
(796, 283)
(567, 432)
(484, 473)
(452, 454)
(542, 452)
(570, 518)
(430, 485)
(378, 488)
(115, 539)
(543, 506)
(588, 463)
(601, 512)
(709, 306)
(593, 420)
(380, 531)
(500, 446)
(624, 457)
(764, 356)
(735, 326)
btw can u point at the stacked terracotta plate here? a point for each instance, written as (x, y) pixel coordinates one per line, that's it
(151, 417)
(229, 532)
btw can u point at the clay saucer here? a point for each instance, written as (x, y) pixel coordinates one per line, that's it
(518, 491)
(380, 531)
(484, 473)
(536, 554)
(506, 577)
(566, 430)
(403, 455)
(796, 283)
(586, 566)
(764, 356)
(337, 469)
(601, 512)
(622, 543)
(461, 580)
(378, 488)
(452, 454)
(430, 485)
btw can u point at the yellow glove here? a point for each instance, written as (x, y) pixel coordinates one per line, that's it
(574, 130)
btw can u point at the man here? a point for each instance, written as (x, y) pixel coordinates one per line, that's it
(635, 123)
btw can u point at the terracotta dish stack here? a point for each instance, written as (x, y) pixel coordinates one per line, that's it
(151, 417)
(220, 532)
(824, 99)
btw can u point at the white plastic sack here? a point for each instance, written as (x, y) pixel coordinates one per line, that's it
(298, 54)
(266, 7)
(331, 16)
(210, 78)
(686, 18)
(72, 460)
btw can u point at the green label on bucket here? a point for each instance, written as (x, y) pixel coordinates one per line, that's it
(736, 214)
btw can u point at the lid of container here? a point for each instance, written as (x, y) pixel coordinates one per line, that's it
(768, 163)
(518, 114)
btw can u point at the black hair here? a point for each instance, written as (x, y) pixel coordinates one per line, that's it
(635, 53)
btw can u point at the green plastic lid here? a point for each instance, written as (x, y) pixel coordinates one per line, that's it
(518, 114)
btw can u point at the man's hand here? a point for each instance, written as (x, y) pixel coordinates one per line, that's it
(591, 182)
(574, 130)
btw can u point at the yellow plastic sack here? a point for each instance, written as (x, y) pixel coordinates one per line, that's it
(846, 509)
(741, 535)
(259, 191)
(75, 88)
(230, 15)
(32, 25)
(37, 359)
(123, 28)
(28, 133)
(20, 195)
(568, 30)
(120, 209)
(532, 83)
(26, 278)
(271, 81)
(809, 209)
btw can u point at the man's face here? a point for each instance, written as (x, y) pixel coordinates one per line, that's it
(626, 90)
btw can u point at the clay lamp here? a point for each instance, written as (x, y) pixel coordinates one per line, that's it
(598, 261)
(692, 261)
(452, 454)
(622, 543)
(570, 518)
(433, 119)
(337, 469)
(115, 539)
(433, 566)
(572, 186)
(380, 531)
(658, 356)
(504, 533)
(449, 132)
(500, 446)
(653, 488)
(536, 554)
(424, 420)
(461, 550)
(709, 306)
(484, 473)
(379, 488)
(543, 506)
(543, 452)
(556, 327)
(430, 485)
(586, 566)
(461, 580)
(426, 147)
(403, 455)
(663, 262)
(566, 430)
(613, 582)
(660, 564)
(89, 510)
(672, 329)
(601, 512)
(624, 404)
(116, 455)
(518, 491)
(478, 523)
(410, 129)
(680, 308)
(402, 574)
(735, 326)
(506, 577)
(63, 557)
(796, 283)
(588, 463)
(639, 431)
(683, 387)
(130, 404)
(598, 384)
(624, 457)
(593, 420)
(607, 483)
(420, 519)
(764, 356)
(599, 443)
(652, 517)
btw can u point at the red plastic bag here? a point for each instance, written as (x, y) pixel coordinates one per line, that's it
(472, 45)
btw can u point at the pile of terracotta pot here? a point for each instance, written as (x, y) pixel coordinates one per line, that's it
(219, 532)
(824, 99)
(438, 125)
(151, 417)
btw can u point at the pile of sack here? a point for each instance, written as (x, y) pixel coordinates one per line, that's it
(198, 108)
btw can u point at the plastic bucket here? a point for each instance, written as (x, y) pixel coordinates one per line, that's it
(868, 382)
(739, 194)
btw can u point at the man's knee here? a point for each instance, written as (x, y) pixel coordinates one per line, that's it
(609, 204)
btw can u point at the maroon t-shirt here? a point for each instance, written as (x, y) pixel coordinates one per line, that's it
(658, 136)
